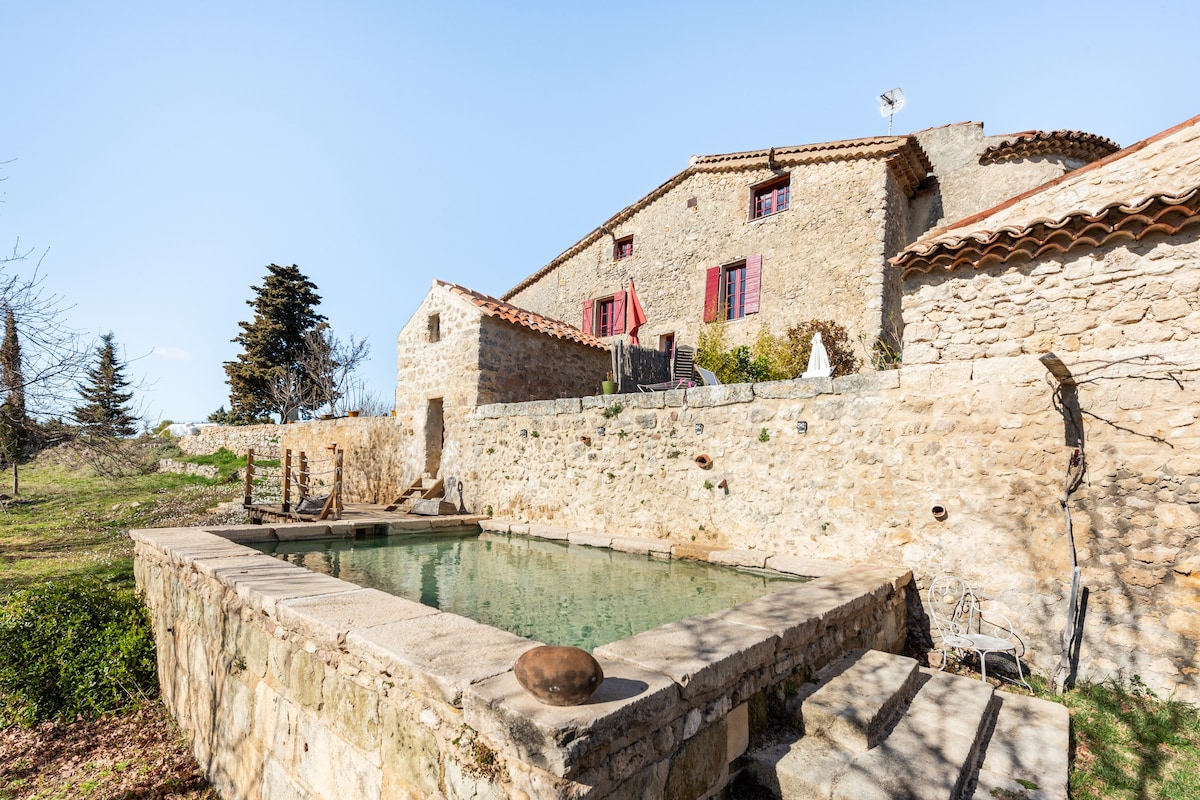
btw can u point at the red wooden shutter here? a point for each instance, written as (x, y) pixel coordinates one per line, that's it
(587, 316)
(712, 293)
(753, 283)
(618, 313)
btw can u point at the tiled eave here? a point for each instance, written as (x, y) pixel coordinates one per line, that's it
(1159, 213)
(1086, 147)
(902, 155)
(526, 319)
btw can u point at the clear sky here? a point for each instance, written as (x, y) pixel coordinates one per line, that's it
(166, 152)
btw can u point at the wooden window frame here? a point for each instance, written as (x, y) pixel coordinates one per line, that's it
(623, 248)
(779, 192)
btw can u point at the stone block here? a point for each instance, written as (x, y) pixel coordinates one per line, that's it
(724, 395)
(329, 618)
(700, 765)
(1030, 744)
(630, 703)
(330, 767)
(568, 405)
(808, 567)
(738, 732)
(549, 532)
(858, 696)
(702, 654)
(633, 544)
(440, 654)
(353, 710)
(491, 411)
(244, 533)
(295, 531)
(867, 382)
(496, 525)
(411, 756)
(306, 676)
(739, 558)
(590, 539)
(644, 400)
(263, 590)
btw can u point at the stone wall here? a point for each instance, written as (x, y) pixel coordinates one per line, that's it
(823, 258)
(375, 462)
(235, 438)
(1127, 298)
(964, 186)
(294, 684)
(982, 439)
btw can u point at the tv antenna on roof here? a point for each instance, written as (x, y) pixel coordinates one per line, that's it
(889, 104)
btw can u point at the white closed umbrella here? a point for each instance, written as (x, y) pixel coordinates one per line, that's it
(818, 360)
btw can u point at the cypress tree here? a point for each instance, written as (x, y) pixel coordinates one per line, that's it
(105, 411)
(268, 375)
(14, 424)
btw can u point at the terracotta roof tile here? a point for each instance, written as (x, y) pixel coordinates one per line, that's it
(1085, 146)
(1150, 186)
(526, 319)
(902, 154)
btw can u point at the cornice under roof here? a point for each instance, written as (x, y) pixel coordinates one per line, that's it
(526, 319)
(1086, 147)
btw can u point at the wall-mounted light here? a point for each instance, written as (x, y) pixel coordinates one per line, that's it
(699, 428)
(524, 433)
(801, 427)
(600, 431)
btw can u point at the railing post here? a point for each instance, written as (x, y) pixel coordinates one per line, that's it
(302, 478)
(246, 502)
(337, 485)
(287, 482)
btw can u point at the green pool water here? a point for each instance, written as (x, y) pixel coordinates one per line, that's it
(545, 590)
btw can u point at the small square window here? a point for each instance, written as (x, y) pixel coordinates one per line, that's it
(770, 198)
(605, 316)
(622, 248)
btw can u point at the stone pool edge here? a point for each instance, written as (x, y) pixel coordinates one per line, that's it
(264, 661)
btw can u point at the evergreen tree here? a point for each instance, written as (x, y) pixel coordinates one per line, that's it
(269, 375)
(14, 424)
(105, 411)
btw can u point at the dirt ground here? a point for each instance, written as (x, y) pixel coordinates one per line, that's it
(136, 755)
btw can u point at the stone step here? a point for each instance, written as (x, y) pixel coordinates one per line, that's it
(929, 754)
(1027, 754)
(857, 698)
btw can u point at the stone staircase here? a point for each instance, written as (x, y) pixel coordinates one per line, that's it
(875, 726)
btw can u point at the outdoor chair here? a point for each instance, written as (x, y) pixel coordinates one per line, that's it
(666, 386)
(710, 379)
(954, 610)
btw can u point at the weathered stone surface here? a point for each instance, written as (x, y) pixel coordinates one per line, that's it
(700, 766)
(1029, 750)
(332, 617)
(739, 558)
(288, 532)
(558, 676)
(857, 697)
(629, 703)
(701, 654)
(442, 653)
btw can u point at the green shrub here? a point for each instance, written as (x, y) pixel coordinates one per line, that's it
(771, 357)
(73, 648)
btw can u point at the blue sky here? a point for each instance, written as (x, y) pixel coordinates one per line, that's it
(166, 152)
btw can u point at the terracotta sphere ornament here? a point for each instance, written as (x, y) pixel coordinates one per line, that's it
(558, 676)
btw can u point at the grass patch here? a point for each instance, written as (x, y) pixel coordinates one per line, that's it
(71, 522)
(1128, 744)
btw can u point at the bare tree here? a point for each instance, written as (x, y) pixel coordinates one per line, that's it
(330, 364)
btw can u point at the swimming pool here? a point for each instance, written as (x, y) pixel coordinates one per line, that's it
(545, 590)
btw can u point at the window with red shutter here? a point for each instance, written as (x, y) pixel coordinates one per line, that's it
(734, 290)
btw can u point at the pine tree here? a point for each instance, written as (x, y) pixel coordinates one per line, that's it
(14, 424)
(105, 411)
(268, 376)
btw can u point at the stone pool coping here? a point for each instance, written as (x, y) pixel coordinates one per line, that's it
(679, 678)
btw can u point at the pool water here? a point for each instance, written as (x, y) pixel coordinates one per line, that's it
(550, 591)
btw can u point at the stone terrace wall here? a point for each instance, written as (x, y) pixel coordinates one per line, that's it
(235, 438)
(375, 459)
(982, 439)
(1133, 298)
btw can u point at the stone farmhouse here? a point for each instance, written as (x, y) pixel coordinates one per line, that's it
(975, 256)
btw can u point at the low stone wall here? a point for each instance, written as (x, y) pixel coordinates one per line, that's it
(296, 684)
(375, 458)
(185, 468)
(982, 439)
(235, 438)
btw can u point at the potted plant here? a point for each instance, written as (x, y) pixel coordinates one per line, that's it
(608, 385)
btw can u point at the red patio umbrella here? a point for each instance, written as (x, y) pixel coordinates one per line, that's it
(637, 317)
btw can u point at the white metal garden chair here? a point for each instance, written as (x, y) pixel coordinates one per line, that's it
(955, 614)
